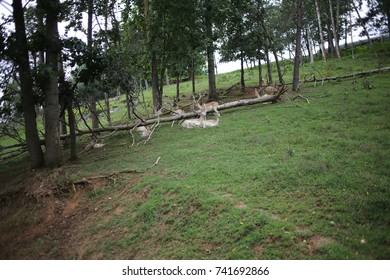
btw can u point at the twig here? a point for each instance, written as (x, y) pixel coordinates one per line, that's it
(302, 97)
(132, 135)
(82, 117)
(156, 125)
(109, 176)
(103, 137)
(157, 161)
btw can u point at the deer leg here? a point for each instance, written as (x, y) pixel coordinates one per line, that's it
(216, 112)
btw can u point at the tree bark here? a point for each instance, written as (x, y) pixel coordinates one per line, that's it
(26, 84)
(52, 108)
(298, 51)
(261, 82)
(72, 129)
(210, 54)
(242, 71)
(322, 42)
(157, 98)
(177, 88)
(271, 44)
(310, 45)
(107, 102)
(92, 98)
(334, 29)
(193, 76)
(280, 76)
(269, 70)
(352, 47)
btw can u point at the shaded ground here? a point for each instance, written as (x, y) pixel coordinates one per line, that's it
(46, 217)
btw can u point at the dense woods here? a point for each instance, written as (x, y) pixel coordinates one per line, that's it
(113, 47)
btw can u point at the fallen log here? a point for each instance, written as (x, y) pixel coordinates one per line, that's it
(229, 105)
(353, 75)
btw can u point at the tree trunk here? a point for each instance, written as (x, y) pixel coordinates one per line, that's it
(271, 43)
(331, 48)
(346, 33)
(242, 72)
(193, 76)
(177, 89)
(352, 47)
(297, 59)
(362, 22)
(269, 70)
(52, 108)
(26, 84)
(157, 98)
(310, 45)
(107, 102)
(261, 82)
(166, 77)
(334, 29)
(63, 128)
(280, 75)
(322, 42)
(92, 98)
(210, 54)
(128, 105)
(72, 129)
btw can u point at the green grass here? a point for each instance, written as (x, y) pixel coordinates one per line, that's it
(269, 178)
(291, 180)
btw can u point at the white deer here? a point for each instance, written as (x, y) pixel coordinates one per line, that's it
(211, 123)
(201, 121)
(208, 107)
(191, 123)
(143, 131)
(177, 112)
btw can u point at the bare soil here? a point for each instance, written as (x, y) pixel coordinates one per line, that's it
(45, 218)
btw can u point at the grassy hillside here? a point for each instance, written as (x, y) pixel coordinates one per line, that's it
(292, 180)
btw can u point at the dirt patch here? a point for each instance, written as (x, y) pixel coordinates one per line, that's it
(44, 216)
(315, 242)
(259, 248)
(240, 205)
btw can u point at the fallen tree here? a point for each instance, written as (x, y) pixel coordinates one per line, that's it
(313, 79)
(229, 105)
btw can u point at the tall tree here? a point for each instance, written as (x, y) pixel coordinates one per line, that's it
(361, 21)
(298, 51)
(92, 97)
(322, 41)
(52, 108)
(334, 29)
(210, 51)
(26, 84)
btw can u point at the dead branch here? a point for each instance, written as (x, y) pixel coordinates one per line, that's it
(108, 176)
(353, 75)
(157, 161)
(106, 136)
(301, 97)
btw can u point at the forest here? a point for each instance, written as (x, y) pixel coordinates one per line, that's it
(96, 97)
